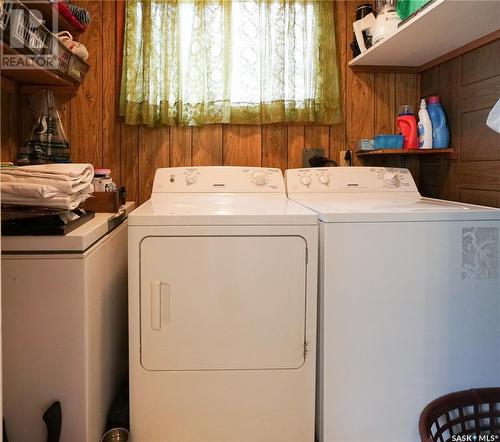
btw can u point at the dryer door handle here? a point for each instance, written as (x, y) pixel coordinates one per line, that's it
(160, 304)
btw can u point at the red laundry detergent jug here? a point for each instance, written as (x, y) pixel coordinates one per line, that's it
(407, 124)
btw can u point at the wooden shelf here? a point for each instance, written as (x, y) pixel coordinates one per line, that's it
(51, 15)
(442, 30)
(35, 75)
(448, 153)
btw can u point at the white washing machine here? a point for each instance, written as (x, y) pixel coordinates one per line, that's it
(222, 309)
(409, 300)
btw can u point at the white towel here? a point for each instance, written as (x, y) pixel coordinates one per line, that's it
(63, 186)
(31, 190)
(67, 178)
(60, 201)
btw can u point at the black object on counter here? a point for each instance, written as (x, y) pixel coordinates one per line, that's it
(17, 221)
(53, 419)
(122, 194)
(321, 162)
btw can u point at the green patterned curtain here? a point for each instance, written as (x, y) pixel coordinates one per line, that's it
(195, 62)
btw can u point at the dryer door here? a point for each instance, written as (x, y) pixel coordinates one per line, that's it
(223, 302)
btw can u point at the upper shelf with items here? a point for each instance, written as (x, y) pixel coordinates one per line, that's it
(57, 16)
(440, 31)
(31, 53)
(35, 75)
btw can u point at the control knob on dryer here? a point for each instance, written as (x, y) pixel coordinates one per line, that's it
(191, 178)
(259, 178)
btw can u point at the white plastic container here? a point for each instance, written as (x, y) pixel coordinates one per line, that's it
(102, 181)
(493, 121)
(424, 127)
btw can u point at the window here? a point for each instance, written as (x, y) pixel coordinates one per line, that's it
(220, 61)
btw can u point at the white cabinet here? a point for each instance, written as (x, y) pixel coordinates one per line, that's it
(64, 333)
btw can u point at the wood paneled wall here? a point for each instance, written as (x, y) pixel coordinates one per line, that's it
(370, 102)
(469, 86)
(9, 126)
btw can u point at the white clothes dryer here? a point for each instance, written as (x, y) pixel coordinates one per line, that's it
(222, 309)
(409, 299)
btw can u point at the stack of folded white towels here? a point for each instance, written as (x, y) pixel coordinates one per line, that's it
(58, 186)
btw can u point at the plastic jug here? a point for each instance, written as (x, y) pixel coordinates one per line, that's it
(440, 131)
(424, 127)
(409, 7)
(493, 121)
(407, 124)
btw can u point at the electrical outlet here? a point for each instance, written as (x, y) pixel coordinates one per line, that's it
(310, 152)
(342, 160)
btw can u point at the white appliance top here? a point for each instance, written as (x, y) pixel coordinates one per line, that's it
(218, 179)
(373, 194)
(76, 241)
(349, 180)
(220, 195)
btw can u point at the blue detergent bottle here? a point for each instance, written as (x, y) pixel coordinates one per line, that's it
(440, 131)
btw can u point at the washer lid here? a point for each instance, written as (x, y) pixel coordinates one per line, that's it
(380, 207)
(221, 209)
(373, 194)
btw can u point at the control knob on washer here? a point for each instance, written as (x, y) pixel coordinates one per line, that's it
(324, 179)
(305, 180)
